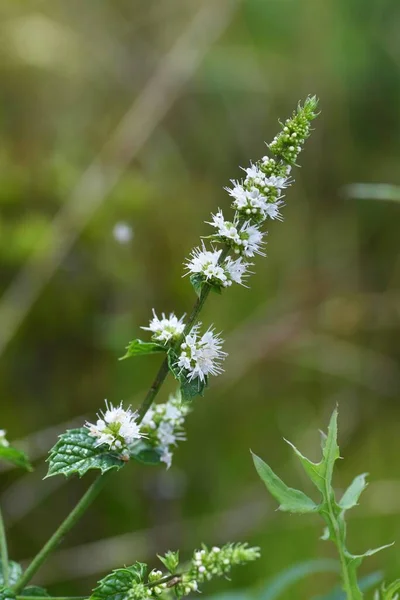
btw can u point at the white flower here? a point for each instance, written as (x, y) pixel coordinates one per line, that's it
(115, 427)
(236, 269)
(272, 210)
(226, 229)
(205, 262)
(3, 441)
(280, 183)
(164, 426)
(201, 356)
(166, 329)
(251, 239)
(123, 233)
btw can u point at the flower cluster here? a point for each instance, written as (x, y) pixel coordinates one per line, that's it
(163, 426)
(3, 441)
(216, 562)
(116, 428)
(165, 330)
(207, 264)
(255, 198)
(200, 356)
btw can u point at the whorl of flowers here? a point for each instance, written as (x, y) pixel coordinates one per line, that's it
(165, 330)
(200, 356)
(116, 427)
(163, 426)
(3, 441)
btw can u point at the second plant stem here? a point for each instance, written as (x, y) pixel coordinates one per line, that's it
(64, 528)
(4, 552)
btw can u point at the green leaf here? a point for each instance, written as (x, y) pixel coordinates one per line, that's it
(16, 457)
(139, 348)
(118, 584)
(76, 452)
(14, 573)
(388, 593)
(352, 494)
(35, 591)
(315, 471)
(6, 594)
(145, 453)
(170, 560)
(191, 388)
(358, 558)
(290, 500)
(197, 282)
(330, 451)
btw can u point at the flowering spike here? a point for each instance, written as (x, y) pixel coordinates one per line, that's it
(201, 356)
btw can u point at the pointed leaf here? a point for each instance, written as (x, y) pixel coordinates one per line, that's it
(191, 388)
(330, 450)
(315, 471)
(358, 558)
(76, 452)
(170, 560)
(197, 282)
(290, 500)
(145, 453)
(352, 494)
(14, 573)
(14, 456)
(139, 348)
(118, 584)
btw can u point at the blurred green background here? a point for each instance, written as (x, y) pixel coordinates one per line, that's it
(121, 121)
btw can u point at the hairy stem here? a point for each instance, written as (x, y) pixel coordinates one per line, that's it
(4, 552)
(63, 529)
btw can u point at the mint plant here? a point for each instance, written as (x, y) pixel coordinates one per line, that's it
(192, 354)
(333, 512)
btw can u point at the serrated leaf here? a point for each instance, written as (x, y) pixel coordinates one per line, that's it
(170, 560)
(35, 591)
(290, 500)
(76, 452)
(6, 594)
(118, 584)
(16, 457)
(14, 572)
(139, 348)
(145, 453)
(352, 494)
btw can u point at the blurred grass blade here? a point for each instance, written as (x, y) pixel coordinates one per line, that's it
(366, 583)
(279, 584)
(372, 191)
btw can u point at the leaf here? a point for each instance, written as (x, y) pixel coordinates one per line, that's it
(290, 500)
(352, 494)
(191, 388)
(139, 348)
(14, 572)
(197, 282)
(286, 578)
(35, 590)
(388, 593)
(170, 560)
(76, 452)
(118, 584)
(145, 453)
(358, 558)
(6, 594)
(315, 471)
(330, 451)
(16, 457)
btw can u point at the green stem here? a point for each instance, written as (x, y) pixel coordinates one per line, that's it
(350, 584)
(4, 552)
(64, 528)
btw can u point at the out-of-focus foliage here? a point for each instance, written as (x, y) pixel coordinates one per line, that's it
(319, 326)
